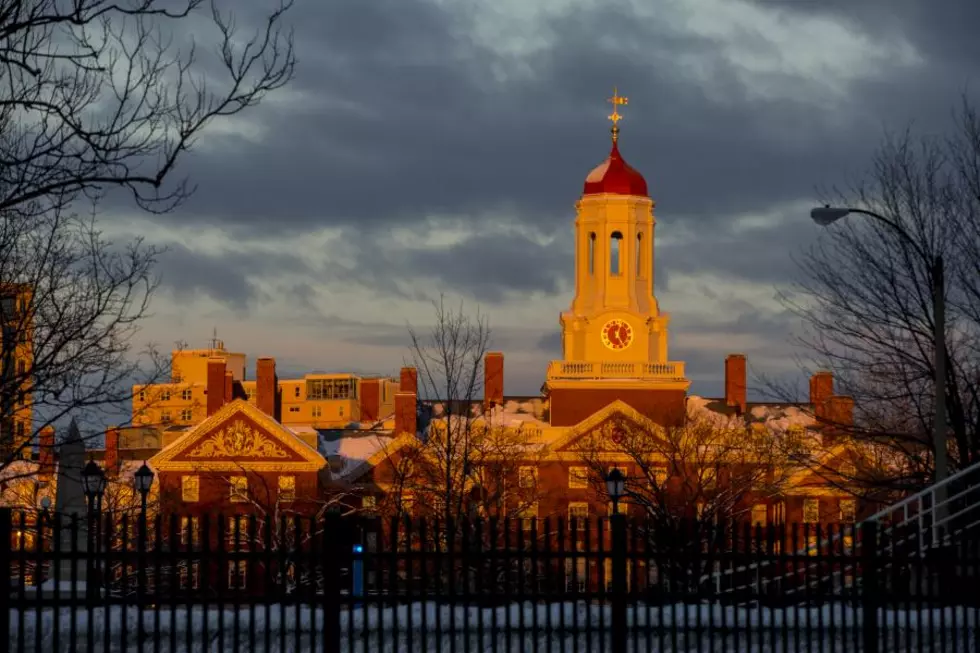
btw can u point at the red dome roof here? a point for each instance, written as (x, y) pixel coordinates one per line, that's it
(614, 175)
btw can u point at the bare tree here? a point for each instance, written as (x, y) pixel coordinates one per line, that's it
(866, 297)
(100, 96)
(449, 360)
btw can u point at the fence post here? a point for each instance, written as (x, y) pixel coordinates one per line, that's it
(331, 561)
(869, 585)
(6, 522)
(618, 621)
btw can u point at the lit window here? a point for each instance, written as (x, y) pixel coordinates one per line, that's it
(250, 393)
(296, 391)
(408, 502)
(528, 515)
(369, 502)
(142, 395)
(578, 516)
(238, 533)
(660, 476)
(189, 581)
(317, 410)
(239, 489)
(340, 411)
(528, 477)
(622, 508)
(578, 477)
(186, 415)
(811, 511)
(165, 395)
(190, 488)
(287, 488)
(848, 511)
(165, 416)
(237, 573)
(186, 394)
(189, 533)
(760, 516)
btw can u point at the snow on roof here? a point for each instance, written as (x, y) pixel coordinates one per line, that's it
(352, 450)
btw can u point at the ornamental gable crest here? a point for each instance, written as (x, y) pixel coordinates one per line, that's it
(237, 437)
(237, 440)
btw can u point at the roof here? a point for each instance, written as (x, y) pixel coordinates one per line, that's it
(615, 176)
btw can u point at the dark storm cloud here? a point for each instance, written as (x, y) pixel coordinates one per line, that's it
(406, 118)
(227, 277)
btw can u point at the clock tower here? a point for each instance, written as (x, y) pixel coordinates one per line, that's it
(614, 337)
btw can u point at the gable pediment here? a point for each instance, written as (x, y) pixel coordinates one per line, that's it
(239, 437)
(604, 431)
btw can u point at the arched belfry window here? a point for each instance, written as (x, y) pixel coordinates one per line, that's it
(615, 252)
(592, 253)
(639, 254)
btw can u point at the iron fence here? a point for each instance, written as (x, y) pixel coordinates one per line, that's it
(218, 583)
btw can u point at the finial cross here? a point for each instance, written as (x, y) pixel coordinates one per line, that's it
(617, 100)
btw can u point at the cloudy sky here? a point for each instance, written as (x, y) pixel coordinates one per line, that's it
(438, 146)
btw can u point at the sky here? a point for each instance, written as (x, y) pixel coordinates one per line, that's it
(431, 147)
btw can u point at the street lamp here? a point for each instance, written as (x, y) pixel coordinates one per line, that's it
(143, 479)
(615, 486)
(93, 485)
(827, 215)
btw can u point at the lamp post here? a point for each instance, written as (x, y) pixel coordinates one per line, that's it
(827, 215)
(616, 487)
(93, 484)
(143, 480)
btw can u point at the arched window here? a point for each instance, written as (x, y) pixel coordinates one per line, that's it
(639, 254)
(592, 253)
(615, 252)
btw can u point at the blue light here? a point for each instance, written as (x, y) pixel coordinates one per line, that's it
(358, 548)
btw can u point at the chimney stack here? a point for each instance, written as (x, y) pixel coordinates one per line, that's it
(370, 400)
(839, 412)
(405, 413)
(229, 386)
(821, 390)
(267, 387)
(409, 380)
(493, 380)
(735, 387)
(45, 441)
(112, 451)
(216, 385)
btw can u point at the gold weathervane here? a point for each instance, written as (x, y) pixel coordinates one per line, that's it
(617, 101)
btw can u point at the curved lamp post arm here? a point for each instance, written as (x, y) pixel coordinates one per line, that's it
(827, 215)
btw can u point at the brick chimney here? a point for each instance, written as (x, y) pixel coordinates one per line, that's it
(839, 411)
(267, 387)
(493, 380)
(229, 386)
(216, 385)
(409, 380)
(370, 400)
(735, 389)
(405, 415)
(45, 442)
(821, 389)
(112, 451)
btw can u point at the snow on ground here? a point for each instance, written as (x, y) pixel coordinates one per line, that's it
(560, 627)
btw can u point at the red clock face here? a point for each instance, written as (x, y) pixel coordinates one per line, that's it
(617, 334)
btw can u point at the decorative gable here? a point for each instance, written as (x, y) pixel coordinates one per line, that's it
(603, 431)
(241, 438)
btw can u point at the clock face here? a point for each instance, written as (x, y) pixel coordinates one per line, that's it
(617, 334)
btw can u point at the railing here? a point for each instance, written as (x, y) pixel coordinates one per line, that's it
(364, 585)
(942, 515)
(610, 370)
